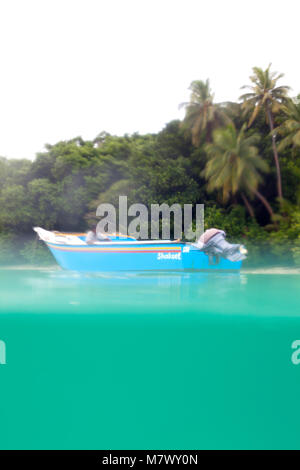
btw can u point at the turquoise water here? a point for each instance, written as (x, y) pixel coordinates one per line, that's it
(149, 361)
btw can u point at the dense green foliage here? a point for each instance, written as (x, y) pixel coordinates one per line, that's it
(221, 155)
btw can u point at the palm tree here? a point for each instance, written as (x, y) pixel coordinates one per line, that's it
(202, 114)
(266, 95)
(290, 128)
(234, 165)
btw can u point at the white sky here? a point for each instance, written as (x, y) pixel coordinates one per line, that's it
(78, 67)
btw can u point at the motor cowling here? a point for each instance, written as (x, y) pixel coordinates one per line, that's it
(213, 242)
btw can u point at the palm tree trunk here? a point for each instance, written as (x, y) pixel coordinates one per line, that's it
(265, 202)
(248, 205)
(276, 158)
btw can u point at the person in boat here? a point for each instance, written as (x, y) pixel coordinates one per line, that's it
(94, 237)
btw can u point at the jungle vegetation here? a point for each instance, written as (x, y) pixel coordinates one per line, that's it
(242, 160)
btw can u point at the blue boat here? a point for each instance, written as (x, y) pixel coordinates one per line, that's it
(122, 253)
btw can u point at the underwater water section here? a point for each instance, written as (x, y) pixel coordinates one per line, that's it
(149, 360)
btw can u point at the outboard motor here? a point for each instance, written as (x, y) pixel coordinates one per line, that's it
(213, 243)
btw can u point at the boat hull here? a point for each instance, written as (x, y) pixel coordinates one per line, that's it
(137, 256)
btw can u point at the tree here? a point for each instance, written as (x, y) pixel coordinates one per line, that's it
(202, 114)
(290, 128)
(234, 165)
(266, 95)
(15, 214)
